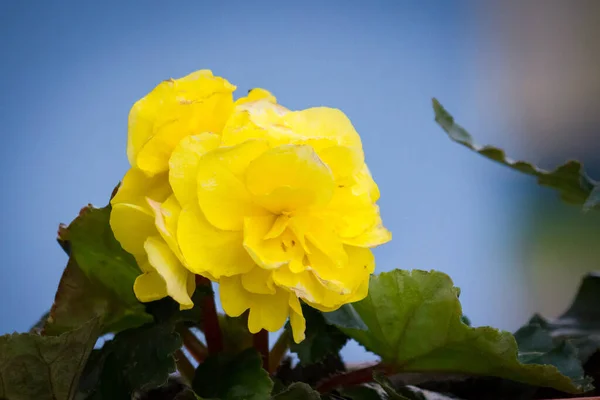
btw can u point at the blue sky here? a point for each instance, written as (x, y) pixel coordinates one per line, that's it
(70, 72)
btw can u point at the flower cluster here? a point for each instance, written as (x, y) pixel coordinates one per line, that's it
(276, 205)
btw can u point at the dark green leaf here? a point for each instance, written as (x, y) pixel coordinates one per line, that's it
(236, 337)
(99, 255)
(580, 324)
(78, 299)
(387, 387)
(536, 346)
(345, 317)
(44, 367)
(364, 392)
(408, 392)
(39, 326)
(569, 179)
(239, 377)
(312, 374)
(173, 390)
(321, 338)
(98, 280)
(593, 200)
(414, 320)
(137, 359)
(298, 391)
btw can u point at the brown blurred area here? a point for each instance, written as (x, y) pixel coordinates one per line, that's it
(539, 65)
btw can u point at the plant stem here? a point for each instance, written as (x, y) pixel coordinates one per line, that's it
(278, 351)
(210, 325)
(184, 366)
(260, 341)
(193, 344)
(356, 377)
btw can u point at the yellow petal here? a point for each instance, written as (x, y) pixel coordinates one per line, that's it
(167, 265)
(258, 281)
(322, 127)
(345, 163)
(288, 178)
(137, 186)
(150, 287)
(207, 249)
(325, 286)
(183, 164)
(256, 119)
(268, 312)
(269, 253)
(222, 195)
(234, 298)
(297, 321)
(304, 285)
(199, 102)
(256, 94)
(373, 236)
(321, 235)
(131, 225)
(166, 216)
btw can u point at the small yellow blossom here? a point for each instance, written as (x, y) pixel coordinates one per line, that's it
(277, 206)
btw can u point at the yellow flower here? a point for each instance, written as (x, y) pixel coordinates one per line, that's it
(277, 206)
(144, 220)
(176, 108)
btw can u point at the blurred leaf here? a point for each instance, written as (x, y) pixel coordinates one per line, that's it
(408, 392)
(298, 391)
(138, 359)
(39, 326)
(311, 374)
(414, 320)
(236, 336)
(44, 367)
(364, 392)
(593, 200)
(536, 346)
(345, 317)
(580, 324)
(321, 338)
(227, 377)
(569, 179)
(174, 389)
(98, 280)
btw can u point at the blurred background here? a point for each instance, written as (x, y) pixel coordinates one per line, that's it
(519, 74)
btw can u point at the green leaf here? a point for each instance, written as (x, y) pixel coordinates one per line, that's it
(536, 346)
(99, 255)
(580, 324)
(78, 299)
(321, 338)
(239, 377)
(345, 317)
(98, 280)
(298, 391)
(44, 367)
(364, 392)
(408, 392)
(137, 359)
(414, 320)
(570, 179)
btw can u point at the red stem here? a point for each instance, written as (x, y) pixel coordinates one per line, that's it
(212, 331)
(260, 342)
(356, 377)
(193, 345)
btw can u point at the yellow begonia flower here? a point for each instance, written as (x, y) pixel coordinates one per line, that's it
(176, 108)
(275, 205)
